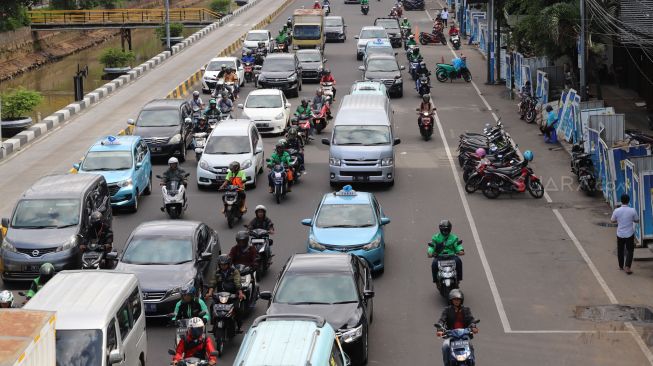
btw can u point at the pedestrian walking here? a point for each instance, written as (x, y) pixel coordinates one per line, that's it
(444, 15)
(625, 217)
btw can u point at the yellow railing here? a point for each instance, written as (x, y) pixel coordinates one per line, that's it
(121, 16)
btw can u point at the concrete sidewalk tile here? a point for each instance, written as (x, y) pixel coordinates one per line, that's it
(28, 134)
(64, 113)
(13, 143)
(22, 138)
(8, 148)
(51, 122)
(73, 108)
(39, 129)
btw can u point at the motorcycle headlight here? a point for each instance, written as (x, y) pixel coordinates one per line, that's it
(125, 183)
(223, 299)
(246, 164)
(69, 244)
(175, 139)
(279, 116)
(334, 162)
(6, 245)
(204, 165)
(313, 244)
(352, 334)
(292, 78)
(387, 161)
(373, 244)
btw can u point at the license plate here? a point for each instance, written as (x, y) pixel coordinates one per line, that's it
(262, 125)
(360, 178)
(258, 241)
(31, 267)
(221, 177)
(156, 149)
(150, 308)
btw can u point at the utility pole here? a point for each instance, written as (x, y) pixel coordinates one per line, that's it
(581, 53)
(490, 42)
(2, 145)
(497, 51)
(167, 4)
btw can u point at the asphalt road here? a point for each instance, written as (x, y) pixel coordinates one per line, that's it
(528, 265)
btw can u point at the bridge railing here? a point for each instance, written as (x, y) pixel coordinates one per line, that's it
(121, 16)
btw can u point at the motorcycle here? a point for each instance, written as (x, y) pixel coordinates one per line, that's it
(199, 141)
(425, 123)
(260, 239)
(447, 277)
(512, 179)
(223, 318)
(527, 108)
(259, 57)
(365, 8)
(413, 65)
(249, 287)
(455, 41)
(280, 182)
(280, 47)
(428, 38)
(305, 127)
(93, 254)
(192, 361)
(249, 71)
(174, 197)
(444, 72)
(231, 202)
(197, 113)
(583, 166)
(319, 118)
(327, 9)
(423, 85)
(294, 163)
(405, 32)
(182, 326)
(327, 89)
(461, 351)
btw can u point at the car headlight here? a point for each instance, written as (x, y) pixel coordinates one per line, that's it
(175, 139)
(125, 183)
(261, 77)
(313, 244)
(6, 245)
(292, 78)
(387, 161)
(246, 164)
(279, 116)
(177, 290)
(68, 244)
(373, 244)
(204, 165)
(352, 334)
(334, 162)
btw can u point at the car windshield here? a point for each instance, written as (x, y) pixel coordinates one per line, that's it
(226, 145)
(388, 24)
(309, 56)
(52, 213)
(318, 288)
(158, 250)
(373, 33)
(302, 31)
(107, 160)
(361, 135)
(158, 118)
(263, 101)
(355, 215)
(79, 347)
(278, 65)
(332, 22)
(369, 51)
(217, 65)
(257, 36)
(382, 65)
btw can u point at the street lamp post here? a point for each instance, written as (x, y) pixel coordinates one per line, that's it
(581, 53)
(167, 5)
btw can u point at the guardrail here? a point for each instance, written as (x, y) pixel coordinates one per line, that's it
(132, 17)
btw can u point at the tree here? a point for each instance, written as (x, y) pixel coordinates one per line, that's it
(18, 103)
(13, 14)
(176, 29)
(115, 57)
(63, 4)
(221, 6)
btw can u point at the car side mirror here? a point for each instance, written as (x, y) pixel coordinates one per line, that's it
(385, 220)
(241, 106)
(288, 105)
(130, 122)
(188, 120)
(115, 357)
(112, 256)
(139, 165)
(368, 294)
(356, 37)
(77, 166)
(265, 295)
(307, 222)
(361, 68)
(158, 176)
(171, 352)
(324, 61)
(203, 68)
(396, 142)
(206, 256)
(258, 150)
(402, 67)
(5, 222)
(326, 141)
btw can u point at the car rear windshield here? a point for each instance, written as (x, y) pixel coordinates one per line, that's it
(331, 216)
(158, 118)
(107, 160)
(382, 65)
(304, 31)
(217, 65)
(263, 101)
(361, 135)
(373, 33)
(256, 36)
(158, 250)
(227, 145)
(319, 288)
(388, 23)
(46, 213)
(79, 347)
(278, 65)
(332, 22)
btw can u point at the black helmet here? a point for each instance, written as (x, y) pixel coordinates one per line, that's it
(188, 290)
(445, 227)
(292, 132)
(242, 236)
(224, 259)
(46, 272)
(234, 166)
(456, 294)
(96, 217)
(549, 108)
(327, 71)
(426, 97)
(304, 101)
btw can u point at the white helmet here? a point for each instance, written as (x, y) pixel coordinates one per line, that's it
(7, 297)
(195, 327)
(196, 93)
(261, 207)
(173, 160)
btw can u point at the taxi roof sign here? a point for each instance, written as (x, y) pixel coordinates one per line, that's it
(378, 41)
(346, 191)
(110, 140)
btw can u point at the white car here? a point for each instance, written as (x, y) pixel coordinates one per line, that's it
(369, 34)
(268, 108)
(231, 140)
(253, 37)
(213, 69)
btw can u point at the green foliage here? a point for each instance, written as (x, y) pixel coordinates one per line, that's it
(221, 6)
(13, 14)
(63, 4)
(176, 30)
(105, 4)
(115, 57)
(19, 103)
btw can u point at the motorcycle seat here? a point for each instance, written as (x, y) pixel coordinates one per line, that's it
(582, 156)
(509, 170)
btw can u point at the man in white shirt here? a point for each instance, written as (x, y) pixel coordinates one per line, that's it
(625, 217)
(444, 15)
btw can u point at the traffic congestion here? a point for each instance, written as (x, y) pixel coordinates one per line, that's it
(207, 234)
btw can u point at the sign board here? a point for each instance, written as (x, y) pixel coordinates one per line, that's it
(508, 68)
(585, 120)
(646, 218)
(545, 90)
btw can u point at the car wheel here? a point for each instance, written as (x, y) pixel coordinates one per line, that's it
(364, 347)
(253, 185)
(148, 190)
(134, 207)
(359, 57)
(299, 86)
(182, 153)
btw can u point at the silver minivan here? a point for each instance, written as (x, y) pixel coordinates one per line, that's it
(362, 142)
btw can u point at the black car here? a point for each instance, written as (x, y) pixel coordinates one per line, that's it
(167, 255)
(413, 4)
(391, 26)
(312, 64)
(384, 68)
(335, 29)
(281, 71)
(337, 287)
(166, 127)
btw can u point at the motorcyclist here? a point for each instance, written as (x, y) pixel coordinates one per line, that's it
(459, 63)
(393, 12)
(6, 300)
(46, 272)
(445, 243)
(294, 142)
(328, 78)
(317, 5)
(410, 41)
(415, 56)
(174, 172)
(525, 90)
(455, 316)
(100, 232)
(405, 23)
(223, 71)
(453, 30)
(438, 27)
(227, 279)
(196, 101)
(303, 109)
(232, 77)
(422, 69)
(280, 156)
(425, 106)
(202, 126)
(195, 344)
(236, 177)
(190, 306)
(242, 252)
(212, 112)
(262, 49)
(225, 105)
(365, 2)
(282, 38)
(247, 57)
(318, 99)
(261, 221)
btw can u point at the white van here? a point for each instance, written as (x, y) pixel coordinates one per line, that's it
(100, 318)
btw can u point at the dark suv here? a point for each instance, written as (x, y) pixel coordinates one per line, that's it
(166, 127)
(336, 286)
(391, 26)
(281, 71)
(384, 68)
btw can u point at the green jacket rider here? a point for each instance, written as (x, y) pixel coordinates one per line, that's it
(445, 244)
(46, 272)
(405, 23)
(303, 109)
(283, 36)
(276, 158)
(365, 2)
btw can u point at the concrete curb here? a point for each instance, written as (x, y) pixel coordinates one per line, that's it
(52, 121)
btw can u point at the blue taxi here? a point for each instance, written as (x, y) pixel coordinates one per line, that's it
(124, 161)
(352, 222)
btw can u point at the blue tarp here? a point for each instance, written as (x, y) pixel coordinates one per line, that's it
(646, 218)
(618, 157)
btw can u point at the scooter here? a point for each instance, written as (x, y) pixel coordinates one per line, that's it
(461, 351)
(223, 318)
(327, 89)
(231, 202)
(447, 277)
(365, 8)
(260, 239)
(455, 41)
(327, 9)
(294, 163)
(93, 254)
(444, 72)
(197, 113)
(249, 72)
(428, 38)
(412, 68)
(249, 287)
(192, 361)
(280, 181)
(425, 123)
(512, 180)
(305, 127)
(583, 166)
(423, 85)
(199, 141)
(174, 197)
(319, 119)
